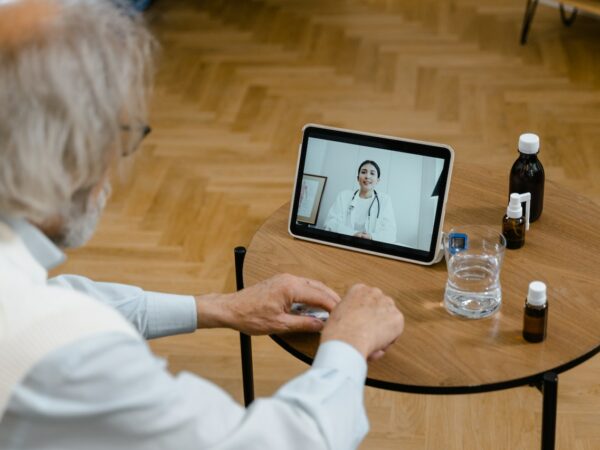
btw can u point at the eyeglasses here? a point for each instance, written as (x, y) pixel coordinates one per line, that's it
(131, 142)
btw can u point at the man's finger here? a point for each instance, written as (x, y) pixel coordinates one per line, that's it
(322, 286)
(295, 324)
(376, 355)
(313, 293)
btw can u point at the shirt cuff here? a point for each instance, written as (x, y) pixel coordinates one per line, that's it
(170, 314)
(343, 357)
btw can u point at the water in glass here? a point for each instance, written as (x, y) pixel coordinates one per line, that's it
(473, 287)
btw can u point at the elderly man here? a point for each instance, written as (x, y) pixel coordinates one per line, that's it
(75, 371)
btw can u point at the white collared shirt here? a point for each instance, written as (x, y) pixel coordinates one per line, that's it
(108, 391)
(361, 213)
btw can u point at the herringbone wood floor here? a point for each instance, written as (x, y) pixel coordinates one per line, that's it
(237, 81)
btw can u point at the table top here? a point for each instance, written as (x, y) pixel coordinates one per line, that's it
(441, 353)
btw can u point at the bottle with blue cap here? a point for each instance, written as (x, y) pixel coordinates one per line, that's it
(527, 174)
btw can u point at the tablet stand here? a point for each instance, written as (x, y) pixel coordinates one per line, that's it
(440, 253)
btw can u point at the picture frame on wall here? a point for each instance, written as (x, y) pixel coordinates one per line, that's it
(311, 193)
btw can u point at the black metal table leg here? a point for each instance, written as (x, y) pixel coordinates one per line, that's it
(529, 13)
(549, 391)
(245, 340)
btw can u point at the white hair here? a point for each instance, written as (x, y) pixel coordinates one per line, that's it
(68, 84)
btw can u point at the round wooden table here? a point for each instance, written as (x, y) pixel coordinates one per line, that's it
(443, 354)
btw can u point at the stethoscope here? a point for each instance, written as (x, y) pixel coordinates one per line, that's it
(370, 206)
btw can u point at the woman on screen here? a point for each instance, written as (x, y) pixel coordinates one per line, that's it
(364, 213)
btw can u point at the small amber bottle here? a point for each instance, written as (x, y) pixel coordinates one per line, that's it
(535, 319)
(514, 223)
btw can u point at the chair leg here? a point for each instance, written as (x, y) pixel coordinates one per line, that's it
(527, 19)
(567, 20)
(245, 340)
(247, 372)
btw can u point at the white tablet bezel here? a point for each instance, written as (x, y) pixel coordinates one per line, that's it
(392, 251)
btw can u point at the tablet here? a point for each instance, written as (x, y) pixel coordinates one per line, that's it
(371, 193)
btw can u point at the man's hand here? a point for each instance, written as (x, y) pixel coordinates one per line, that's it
(363, 235)
(265, 307)
(366, 319)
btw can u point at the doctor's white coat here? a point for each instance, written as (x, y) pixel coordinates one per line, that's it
(341, 217)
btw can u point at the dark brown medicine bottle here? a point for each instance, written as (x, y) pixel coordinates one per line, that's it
(527, 174)
(514, 223)
(535, 319)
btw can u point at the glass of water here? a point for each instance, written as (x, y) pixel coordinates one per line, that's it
(474, 257)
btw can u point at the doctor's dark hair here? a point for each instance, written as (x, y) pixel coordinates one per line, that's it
(373, 163)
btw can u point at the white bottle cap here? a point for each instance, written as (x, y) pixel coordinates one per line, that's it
(537, 293)
(529, 143)
(514, 210)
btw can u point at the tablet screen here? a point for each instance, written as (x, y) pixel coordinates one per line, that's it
(372, 193)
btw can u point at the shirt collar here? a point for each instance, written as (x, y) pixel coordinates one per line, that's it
(43, 250)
